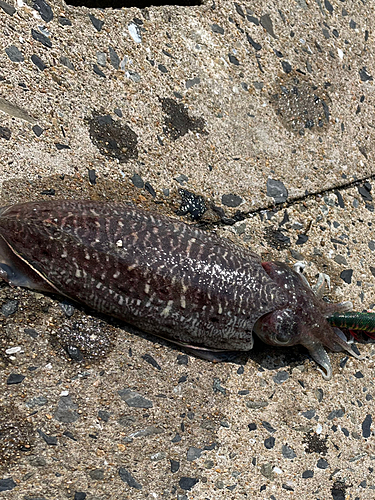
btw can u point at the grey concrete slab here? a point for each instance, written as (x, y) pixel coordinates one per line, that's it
(247, 106)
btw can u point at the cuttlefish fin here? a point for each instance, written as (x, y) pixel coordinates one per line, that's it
(18, 272)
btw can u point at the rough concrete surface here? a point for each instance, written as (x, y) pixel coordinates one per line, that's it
(263, 112)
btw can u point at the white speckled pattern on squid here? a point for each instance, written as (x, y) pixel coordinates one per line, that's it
(163, 276)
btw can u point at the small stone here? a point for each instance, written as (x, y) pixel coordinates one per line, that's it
(175, 465)
(66, 62)
(288, 452)
(366, 426)
(64, 21)
(277, 190)
(346, 275)
(66, 410)
(14, 54)
(307, 474)
(134, 399)
(182, 359)
(336, 414)
(268, 427)
(302, 238)
(50, 440)
(150, 189)
(309, 414)
(128, 478)
(43, 39)
(281, 377)
(97, 23)
(98, 71)
(37, 401)
(266, 22)
(217, 29)
(101, 58)
(193, 453)
(269, 443)
(255, 45)
(44, 10)
(187, 483)
(176, 439)
(80, 495)
(149, 359)
(15, 378)
(8, 9)
(38, 131)
(74, 353)
(138, 181)
(38, 62)
(364, 76)
(322, 464)
(96, 474)
(162, 68)
(217, 387)
(231, 200)
(104, 415)
(191, 83)
(7, 484)
(252, 426)
(114, 58)
(358, 375)
(256, 405)
(233, 59)
(5, 133)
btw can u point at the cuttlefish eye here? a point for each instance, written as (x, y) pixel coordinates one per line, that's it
(278, 328)
(285, 327)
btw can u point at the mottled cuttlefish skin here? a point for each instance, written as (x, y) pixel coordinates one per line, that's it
(157, 273)
(166, 277)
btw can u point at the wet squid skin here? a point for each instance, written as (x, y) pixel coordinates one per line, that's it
(163, 276)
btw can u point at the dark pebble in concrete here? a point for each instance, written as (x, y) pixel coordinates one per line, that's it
(80, 495)
(187, 483)
(231, 200)
(346, 275)
(9, 307)
(281, 377)
(50, 440)
(149, 359)
(74, 353)
(134, 399)
(193, 453)
(138, 181)
(38, 131)
(97, 23)
(269, 443)
(288, 452)
(43, 39)
(104, 415)
(14, 54)
(38, 62)
(268, 427)
(277, 191)
(366, 426)
(175, 465)
(307, 474)
(97, 474)
(217, 29)
(7, 484)
(182, 359)
(8, 9)
(128, 478)
(322, 464)
(44, 10)
(15, 378)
